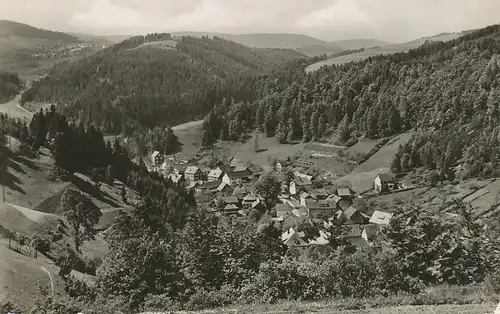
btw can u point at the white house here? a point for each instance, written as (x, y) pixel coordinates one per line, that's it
(384, 182)
(216, 174)
(157, 158)
(380, 218)
(299, 184)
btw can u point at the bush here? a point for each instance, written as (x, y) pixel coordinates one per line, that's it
(40, 243)
(160, 302)
(492, 282)
(212, 299)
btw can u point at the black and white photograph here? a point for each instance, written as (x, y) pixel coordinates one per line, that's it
(250, 156)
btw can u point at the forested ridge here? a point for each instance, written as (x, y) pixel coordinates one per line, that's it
(448, 90)
(126, 86)
(10, 85)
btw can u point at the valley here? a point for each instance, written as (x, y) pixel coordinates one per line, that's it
(237, 173)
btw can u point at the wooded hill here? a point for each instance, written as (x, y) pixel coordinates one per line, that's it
(437, 87)
(10, 84)
(129, 85)
(9, 28)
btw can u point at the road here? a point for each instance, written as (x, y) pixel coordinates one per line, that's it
(14, 110)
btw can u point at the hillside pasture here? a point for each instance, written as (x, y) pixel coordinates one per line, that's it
(378, 51)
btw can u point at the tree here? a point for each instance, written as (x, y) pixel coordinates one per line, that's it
(256, 143)
(172, 144)
(110, 177)
(81, 213)
(269, 187)
(123, 194)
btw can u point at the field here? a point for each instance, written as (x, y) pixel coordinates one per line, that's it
(385, 50)
(362, 176)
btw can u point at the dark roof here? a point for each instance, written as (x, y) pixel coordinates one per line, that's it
(211, 184)
(191, 170)
(350, 212)
(240, 174)
(386, 177)
(283, 207)
(230, 200)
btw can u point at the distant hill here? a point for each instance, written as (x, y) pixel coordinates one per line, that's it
(137, 85)
(9, 28)
(385, 50)
(98, 40)
(278, 40)
(341, 45)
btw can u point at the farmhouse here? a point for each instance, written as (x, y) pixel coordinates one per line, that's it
(292, 238)
(216, 174)
(299, 184)
(351, 216)
(193, 173)
(157, 158)
(224, 189)
(321, 208)
(304, 196)
(384, 182)
(283, 209)
(231, 209)
(237, 178)
(345, 193)
(380, 218)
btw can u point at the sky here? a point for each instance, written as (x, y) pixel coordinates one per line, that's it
(391, 20)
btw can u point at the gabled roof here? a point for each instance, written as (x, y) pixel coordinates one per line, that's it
(194, 184)
(344, 192)
(240, 174)
(191, 170)
(230, 200)
(380, 218)
(386, 177)
(230, 207)
(250, 198)
(215, 173)
(256, 203)
(298, 174)
(155, 153)
(291, 234)
(225, 168)
(222, 186)
(211, 184)
(307, 195)
(283, 208)
(300, 181)
(241, 169)
(350, 212)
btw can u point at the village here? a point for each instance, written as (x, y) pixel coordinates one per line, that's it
(228, 189)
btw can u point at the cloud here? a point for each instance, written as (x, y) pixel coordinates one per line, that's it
(396, 20)
(102, 14)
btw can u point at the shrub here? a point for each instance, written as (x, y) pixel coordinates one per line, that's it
(161, 302)
(211, 299)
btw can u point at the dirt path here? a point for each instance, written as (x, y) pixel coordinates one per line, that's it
(50, 278)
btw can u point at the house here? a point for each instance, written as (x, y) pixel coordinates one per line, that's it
(298, 174)
(230, 200)
(157, 158)
(299, 184)
(369, 233)
(205, 171)
(384, 182)
(304, 196)
(231, 209)
(196, 185)
(351, 216)
(180, 169)
(321, 209)
(193, 173)
(224, 188)
(283, 209)
(345, 193)
(355, 235)
(240, 193)
(216, 174)
(258, 205)
(237, 178)
(210, 186)
(292, 238)
(380, 218)
(248, 200)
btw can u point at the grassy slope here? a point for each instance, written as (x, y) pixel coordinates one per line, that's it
(362, 176)
(404, 47)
